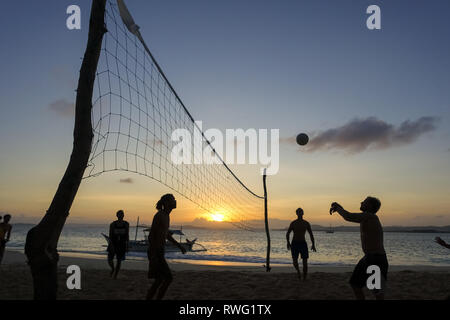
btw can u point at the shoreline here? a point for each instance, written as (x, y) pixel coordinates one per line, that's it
(99, 262)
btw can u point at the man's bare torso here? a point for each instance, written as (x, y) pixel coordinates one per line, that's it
(4, 229)
(299, 227)
(371, 234)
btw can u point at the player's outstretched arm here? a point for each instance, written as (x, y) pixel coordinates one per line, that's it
(175, 242)
(438, 240)
(348, 216)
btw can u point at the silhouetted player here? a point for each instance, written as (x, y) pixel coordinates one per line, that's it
(299, 245)
(118, 244)
(5, 234)
(158, 268)
(372, 245)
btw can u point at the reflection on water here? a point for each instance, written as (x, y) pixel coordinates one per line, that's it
(239, 246)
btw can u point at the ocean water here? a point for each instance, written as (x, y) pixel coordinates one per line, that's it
(240, 246)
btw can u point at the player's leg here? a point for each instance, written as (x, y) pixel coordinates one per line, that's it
(358, 292)
(167, 279)
(111, 262)
(305, 268)
(382, 263)
(154, 272)
(359, 278)
(295, 254)
(152, 290)
(305, 256)
(379, 294)
(120, 254)
(297, 268)
(163, 288)
(119, 263)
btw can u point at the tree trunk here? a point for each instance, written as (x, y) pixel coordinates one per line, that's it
(42, 240)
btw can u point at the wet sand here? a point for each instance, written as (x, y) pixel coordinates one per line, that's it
(218, 282)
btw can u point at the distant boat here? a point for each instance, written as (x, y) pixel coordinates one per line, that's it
(142, 245)
(330, 230)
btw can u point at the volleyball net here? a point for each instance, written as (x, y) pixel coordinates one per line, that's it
(135, 112)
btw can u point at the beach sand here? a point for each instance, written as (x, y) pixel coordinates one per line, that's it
(212, 282)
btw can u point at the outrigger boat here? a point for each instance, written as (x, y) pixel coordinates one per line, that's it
(142, 245)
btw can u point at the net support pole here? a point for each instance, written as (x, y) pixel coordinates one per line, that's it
(137, 227)
(266, 222)
(42, 240)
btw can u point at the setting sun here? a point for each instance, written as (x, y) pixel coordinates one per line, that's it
(216, 217)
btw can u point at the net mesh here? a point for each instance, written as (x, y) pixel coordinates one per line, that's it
(135, 110)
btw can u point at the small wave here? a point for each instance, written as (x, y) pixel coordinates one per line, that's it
(14, 245)
(179, 256)
(101, 253)
(225, 258)
(209, 257)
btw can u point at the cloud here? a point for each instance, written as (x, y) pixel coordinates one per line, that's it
(127, 180)
(359, 135)
(290, 140)
(63, 108)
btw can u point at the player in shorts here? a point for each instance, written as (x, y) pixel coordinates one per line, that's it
(372, 245)
(158, 268)
(298, 246)
(118, 242)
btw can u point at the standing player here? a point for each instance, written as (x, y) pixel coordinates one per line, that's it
(299, 245)
(372, 245)
(158, 268)
(5, 234)
(118, 242)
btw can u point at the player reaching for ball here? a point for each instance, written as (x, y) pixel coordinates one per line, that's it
(372, 245)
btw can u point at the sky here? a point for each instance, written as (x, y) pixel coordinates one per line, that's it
(374, 102)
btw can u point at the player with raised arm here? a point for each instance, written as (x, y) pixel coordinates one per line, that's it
(372, 245)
